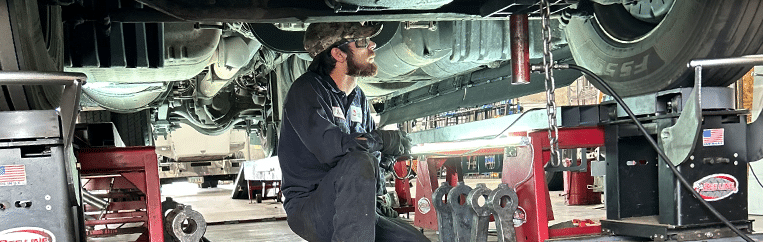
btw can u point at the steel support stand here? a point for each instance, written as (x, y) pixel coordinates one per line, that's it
(127, 174)
(534, 201)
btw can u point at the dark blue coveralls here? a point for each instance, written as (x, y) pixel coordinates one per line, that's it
(329, 177)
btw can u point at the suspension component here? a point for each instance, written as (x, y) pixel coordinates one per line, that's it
(520, 49)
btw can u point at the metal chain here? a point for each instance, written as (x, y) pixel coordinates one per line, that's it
(548, 64)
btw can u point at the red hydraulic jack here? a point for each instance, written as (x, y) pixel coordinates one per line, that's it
(130, 177)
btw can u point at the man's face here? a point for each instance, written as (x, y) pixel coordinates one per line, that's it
(360, 61)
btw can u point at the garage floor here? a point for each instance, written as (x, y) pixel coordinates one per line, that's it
(239, 220)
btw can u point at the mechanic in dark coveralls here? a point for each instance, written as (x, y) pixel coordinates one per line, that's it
(328, 144)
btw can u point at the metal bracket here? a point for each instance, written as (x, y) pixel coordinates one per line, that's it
(583, 166)
(481, 216)
(754, 141)
(444, 213)
(72, 82)
(462, 213)
(680, 139)
(504, 213)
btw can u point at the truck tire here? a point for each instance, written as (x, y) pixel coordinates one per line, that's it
(209, 183)
(90, 117)
(35, 43)
(134, 128)
(638, 55)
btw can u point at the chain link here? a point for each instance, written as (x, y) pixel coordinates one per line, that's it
(548, 64)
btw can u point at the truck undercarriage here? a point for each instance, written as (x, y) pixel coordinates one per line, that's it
(218, 65)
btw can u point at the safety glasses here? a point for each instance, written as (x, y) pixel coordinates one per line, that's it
(359, 43)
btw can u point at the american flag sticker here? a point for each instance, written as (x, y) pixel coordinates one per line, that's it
(712, 137)
(12, 175)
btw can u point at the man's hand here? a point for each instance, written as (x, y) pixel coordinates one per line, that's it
(387, 162)
(393, 142)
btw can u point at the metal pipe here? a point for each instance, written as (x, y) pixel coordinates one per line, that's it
(144, 15)
(40, 78)
(749, 60)
(94, 201)
(520, 49)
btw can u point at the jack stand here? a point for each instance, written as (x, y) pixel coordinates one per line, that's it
(130, 177)
(524, 169)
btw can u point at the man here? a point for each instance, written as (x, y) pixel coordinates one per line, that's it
(328, 143)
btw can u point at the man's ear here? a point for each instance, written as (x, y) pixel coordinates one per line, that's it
(338, 55)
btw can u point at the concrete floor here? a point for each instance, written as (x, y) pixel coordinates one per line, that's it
(230, 218)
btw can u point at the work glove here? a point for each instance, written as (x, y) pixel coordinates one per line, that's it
(384, 209)
(393, 142)
(387, 162)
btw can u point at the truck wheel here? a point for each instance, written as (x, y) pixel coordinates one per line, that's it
(134, 128)
(259, 198)
(641, 52)
(35, 43)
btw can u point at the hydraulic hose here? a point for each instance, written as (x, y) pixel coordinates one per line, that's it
(654, 145)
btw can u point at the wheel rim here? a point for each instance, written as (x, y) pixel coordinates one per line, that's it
(651, 11)
(630, 23)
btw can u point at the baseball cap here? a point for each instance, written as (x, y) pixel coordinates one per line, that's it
(320, 36)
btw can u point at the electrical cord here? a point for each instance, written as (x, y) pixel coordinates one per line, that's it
(654, 145)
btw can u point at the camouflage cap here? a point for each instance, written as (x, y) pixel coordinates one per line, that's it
(320, 36)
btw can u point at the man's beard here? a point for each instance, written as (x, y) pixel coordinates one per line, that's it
(356, 69)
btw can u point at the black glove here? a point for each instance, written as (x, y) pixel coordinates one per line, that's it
(393, 142)
(387, 162)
